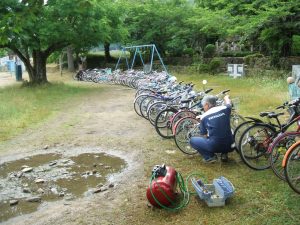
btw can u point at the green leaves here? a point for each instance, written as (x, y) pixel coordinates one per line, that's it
(173, 25)
(81, 23)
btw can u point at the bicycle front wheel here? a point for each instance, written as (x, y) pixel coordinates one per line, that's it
(186, 128)
(292, 167)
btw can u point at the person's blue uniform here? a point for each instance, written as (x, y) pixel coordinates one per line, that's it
(294, 91)
(215, 123)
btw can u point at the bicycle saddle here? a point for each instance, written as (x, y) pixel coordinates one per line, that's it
(275, 115)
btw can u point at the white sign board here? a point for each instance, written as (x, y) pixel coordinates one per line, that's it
(296, 71)
(235, 70)
(4, 60)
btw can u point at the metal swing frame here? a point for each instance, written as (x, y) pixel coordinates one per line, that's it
(137, 51)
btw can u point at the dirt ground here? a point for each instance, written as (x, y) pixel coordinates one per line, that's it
(103, 120)
(7, 78)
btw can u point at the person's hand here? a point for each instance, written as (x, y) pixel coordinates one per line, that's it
(227, 99)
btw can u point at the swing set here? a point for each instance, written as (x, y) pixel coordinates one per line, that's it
(138, 50)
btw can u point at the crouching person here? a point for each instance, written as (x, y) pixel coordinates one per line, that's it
(215, 130)
(294, 88)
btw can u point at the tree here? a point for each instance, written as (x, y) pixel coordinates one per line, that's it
(117, 31)
(34, 29)
(207, 26)
(270, 23)
(157, 22)
(2, 52)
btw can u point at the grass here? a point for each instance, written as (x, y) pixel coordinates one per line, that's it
(255, 94)
(260, 198)
(113, 53)
(22, 107)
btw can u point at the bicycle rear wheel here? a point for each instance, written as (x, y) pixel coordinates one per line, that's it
(163, 123)
(235, 121)
(154, 109)
(137, 102)
(144, 105)
(278, 149)
(292, 167)
(254, 145)
(186, 128)
(239, 131)
(182, 114)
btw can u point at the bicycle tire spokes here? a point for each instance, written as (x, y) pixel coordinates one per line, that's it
(292, 168)
(163, 123)
(254, 145)
(186, 128)
(278, 150)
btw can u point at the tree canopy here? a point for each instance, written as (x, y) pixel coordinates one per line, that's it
(174, 24)
(34, 28)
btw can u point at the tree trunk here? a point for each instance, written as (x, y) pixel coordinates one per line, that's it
(108, 57)
(286, 49)
(38, 75)
(71, 66)
(37, 71)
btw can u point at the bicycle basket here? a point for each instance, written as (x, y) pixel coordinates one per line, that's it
(235, 102)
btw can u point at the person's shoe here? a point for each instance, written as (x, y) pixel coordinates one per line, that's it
(224, 157)
(211, 159)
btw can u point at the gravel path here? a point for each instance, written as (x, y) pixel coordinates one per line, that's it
(103, 120)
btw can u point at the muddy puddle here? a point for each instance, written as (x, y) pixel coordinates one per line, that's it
(27, 183)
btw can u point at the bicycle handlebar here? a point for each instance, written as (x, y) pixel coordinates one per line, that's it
(224, 92)
(208, 90)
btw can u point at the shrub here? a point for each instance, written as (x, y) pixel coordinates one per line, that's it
(251, 59)
(296, 45)
(94, 60)
(54, 58)
(3, 52)
(188, 51)
(236, 53)
(97, 60)
(214, 65)
(209, 51)
(200, 67)
(203, 67)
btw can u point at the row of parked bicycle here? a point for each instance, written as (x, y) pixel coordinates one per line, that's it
(173, 108)
(131, 78)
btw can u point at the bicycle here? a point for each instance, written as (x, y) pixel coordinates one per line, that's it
(184, 129)
(187, 127)
(256, 146)
(240, 129)
(291, 166)
(167, 118)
